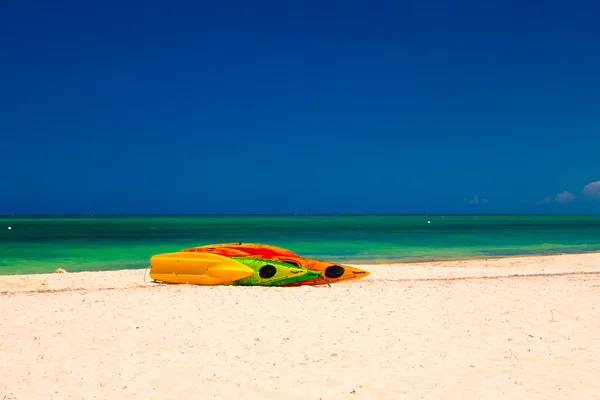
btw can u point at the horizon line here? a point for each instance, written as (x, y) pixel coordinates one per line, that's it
(275, 214)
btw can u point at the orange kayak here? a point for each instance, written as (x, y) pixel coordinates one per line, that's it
(252, 249)
(330, 272)
(222, 251)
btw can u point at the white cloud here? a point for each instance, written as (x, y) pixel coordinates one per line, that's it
(592, 190)
(564, 197)
(477, 200)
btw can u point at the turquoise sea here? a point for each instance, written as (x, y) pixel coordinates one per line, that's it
(90, 243)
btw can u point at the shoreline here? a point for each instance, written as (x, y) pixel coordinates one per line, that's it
(515, 327)
(468, 258)
(479, 268)
(380, 262)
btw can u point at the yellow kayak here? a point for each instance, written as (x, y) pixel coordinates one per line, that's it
(197, 268)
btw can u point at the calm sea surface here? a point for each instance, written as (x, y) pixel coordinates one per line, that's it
(92, 243)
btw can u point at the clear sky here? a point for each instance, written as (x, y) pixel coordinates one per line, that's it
(299, 107)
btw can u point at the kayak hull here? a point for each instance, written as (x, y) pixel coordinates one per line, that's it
(197, 268)
(328, 272)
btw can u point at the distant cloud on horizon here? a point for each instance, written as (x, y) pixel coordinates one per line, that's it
(592, 190)
(477, 200)
(564, 197)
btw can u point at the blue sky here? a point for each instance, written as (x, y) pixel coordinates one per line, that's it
(299, 107)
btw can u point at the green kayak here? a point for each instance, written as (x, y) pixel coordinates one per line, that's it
(272, 273)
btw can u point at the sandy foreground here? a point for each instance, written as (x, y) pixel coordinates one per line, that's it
(515, 328)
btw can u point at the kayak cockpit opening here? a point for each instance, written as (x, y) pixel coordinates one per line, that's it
(267, 271)
(334, 271)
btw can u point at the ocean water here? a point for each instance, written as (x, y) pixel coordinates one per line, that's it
(92, 243)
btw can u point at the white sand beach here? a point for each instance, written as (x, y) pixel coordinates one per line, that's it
(514, 328)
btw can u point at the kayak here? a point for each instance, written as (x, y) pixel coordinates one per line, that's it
(197, 268)
(328, 272)
(253, 249)
(223, 251)
(272, 272)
